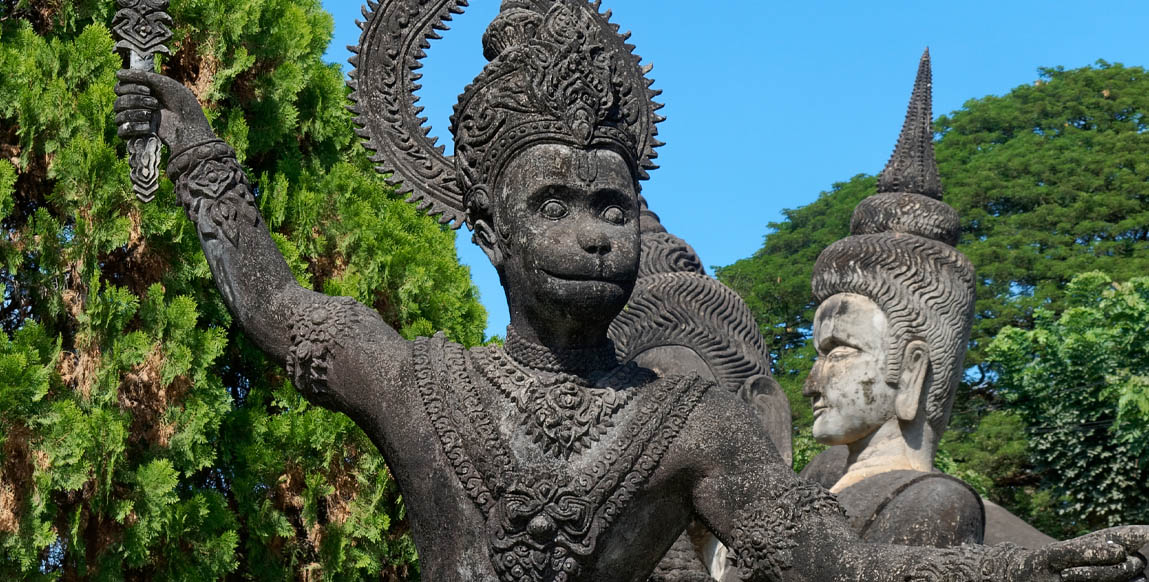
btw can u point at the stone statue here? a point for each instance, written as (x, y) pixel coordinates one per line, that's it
(884, 475)
(896, 308)
(546, 459)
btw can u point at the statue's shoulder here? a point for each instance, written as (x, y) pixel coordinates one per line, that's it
(437, 358)
(914, 507)
(827, 467)
(721, 426)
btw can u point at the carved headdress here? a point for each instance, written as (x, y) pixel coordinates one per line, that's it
(901, 255)
(559, 72)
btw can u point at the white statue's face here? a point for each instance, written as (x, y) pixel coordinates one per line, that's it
(848, 386)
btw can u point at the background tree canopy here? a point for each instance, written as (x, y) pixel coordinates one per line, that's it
(1050, 181)
(1080, 382)
(142, 436)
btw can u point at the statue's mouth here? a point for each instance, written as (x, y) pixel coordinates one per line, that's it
(585, 277)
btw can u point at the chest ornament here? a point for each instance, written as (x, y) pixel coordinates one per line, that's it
(546, 514)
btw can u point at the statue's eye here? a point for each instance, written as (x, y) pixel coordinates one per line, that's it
(614, 215)
(553, 209)
(841, 352)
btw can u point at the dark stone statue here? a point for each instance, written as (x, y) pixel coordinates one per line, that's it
(679, 322)
(547, 459)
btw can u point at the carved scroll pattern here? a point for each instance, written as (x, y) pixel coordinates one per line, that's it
(967, 564)
(395, 37)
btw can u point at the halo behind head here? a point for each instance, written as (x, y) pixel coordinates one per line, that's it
(559, 72)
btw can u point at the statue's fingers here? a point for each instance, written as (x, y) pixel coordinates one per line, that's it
(135, 129)
(1090, 550)
(1131, 537)
(166, 88)
(131, 88)
(1130, 569)
(134, 101)
(133, 116)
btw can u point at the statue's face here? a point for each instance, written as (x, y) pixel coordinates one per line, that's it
(567, 220)
(848, 386)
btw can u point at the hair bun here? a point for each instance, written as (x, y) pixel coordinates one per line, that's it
(907, 213)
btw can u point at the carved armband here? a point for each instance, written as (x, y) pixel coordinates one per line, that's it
(320, 327)
(763, 537)
(968, 564)
(214, 190)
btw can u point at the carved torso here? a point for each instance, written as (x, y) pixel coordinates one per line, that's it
(550, 461)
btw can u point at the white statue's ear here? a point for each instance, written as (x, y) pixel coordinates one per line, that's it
(912, 380)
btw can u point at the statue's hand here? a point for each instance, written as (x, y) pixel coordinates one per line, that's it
(1106, 556)
(151, 103)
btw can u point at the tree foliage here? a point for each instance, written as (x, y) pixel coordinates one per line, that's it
(1080, 380)
(142, 436)
(1050, 180)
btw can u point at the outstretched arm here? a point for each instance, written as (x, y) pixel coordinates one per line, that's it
(780, 527)
(304, 330)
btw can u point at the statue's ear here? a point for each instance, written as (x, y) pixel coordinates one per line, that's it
(478, 202)
(912, 379)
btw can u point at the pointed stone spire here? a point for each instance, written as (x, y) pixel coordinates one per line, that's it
(912, 169)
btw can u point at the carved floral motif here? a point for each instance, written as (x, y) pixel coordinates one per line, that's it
(218, 198)
(318, 329)
(967, 564)
(564, 414)
(764, 533)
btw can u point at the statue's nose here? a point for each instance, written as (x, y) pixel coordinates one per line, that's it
(594, 241)
(812, 386)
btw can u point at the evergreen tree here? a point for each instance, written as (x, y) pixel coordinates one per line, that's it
(143, 437)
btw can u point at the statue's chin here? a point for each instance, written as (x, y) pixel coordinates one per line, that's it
(829, 433)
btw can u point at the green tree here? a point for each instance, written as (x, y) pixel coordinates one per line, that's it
(1050, 180)
(1080, 380)
(142, 436)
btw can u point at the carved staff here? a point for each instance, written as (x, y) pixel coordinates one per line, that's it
(143, 28)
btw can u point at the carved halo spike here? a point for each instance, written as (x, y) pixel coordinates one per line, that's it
(912, 167)
(396, 34)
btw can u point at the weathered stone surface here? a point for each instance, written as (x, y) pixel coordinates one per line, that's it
(549, 459)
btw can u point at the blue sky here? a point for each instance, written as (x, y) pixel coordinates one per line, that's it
(770, 103)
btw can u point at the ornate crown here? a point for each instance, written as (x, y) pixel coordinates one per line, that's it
(559, 72)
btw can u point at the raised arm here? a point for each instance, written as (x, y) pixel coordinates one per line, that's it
(308, 332)
(780, 527)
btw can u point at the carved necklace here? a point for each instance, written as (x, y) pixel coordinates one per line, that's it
(565, 414)
(573, 361)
